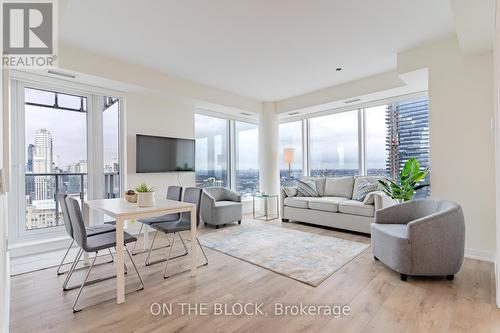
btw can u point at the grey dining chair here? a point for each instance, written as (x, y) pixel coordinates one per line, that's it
(91, 231)
(192, 195)
(93, 244)
(173, 193)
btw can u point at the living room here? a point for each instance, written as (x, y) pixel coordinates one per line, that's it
(275, 135)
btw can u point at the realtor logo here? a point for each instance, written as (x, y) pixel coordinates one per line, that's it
(29, 30)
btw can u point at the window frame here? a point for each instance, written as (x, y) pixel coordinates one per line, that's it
(231, 140)
(362, 130)
(95, 159)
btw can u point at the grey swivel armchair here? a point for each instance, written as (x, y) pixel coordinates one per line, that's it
(220, 206)
(420, 238)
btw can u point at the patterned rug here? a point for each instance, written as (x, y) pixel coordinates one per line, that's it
(302, 256)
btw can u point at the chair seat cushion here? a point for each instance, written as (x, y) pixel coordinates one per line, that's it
(160, 219)
(297, 202)
(169, 227)
(354, 207)
(327, 204)
(100, 229)
(391, 246)
(105, 241)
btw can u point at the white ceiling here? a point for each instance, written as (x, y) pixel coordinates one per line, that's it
(266, 49)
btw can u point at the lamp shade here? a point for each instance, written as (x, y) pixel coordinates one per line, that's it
(289, 155)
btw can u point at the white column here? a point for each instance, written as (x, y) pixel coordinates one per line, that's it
(268, 152)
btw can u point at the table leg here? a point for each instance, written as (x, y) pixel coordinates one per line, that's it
(86, 220)
(194, 260)
(120, 261)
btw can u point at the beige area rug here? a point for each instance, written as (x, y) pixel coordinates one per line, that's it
(302, 256)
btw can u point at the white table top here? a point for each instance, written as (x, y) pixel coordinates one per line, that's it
(120, 207)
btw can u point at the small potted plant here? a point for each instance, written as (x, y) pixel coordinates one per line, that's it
(145, 195)
(131, 196)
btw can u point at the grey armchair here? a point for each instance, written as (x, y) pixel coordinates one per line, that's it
(420, 237)
(220, 206)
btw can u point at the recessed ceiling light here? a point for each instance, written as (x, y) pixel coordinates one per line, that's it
(338, 69)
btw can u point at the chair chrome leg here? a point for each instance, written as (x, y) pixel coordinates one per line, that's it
(203, 251)
(83, 284)
(168, 257)
(64, 258)
(135, 267)
(183, 244)
(146, 262)
(72, 269)
(138, 234)
(143, 251)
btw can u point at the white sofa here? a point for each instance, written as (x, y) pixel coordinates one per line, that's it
(335, 207)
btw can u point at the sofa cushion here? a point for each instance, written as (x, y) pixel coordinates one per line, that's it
(307, 188)
(355, 207)
(362, 184)
(297, 202)
(320, 184)
(339, 186)
(227, 203)
(327, 204)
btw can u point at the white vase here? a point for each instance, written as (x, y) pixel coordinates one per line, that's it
(146, 199)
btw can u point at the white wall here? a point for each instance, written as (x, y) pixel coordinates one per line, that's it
(154, 116)
(497, 141)
(461, 135)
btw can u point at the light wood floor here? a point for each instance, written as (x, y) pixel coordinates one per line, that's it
(380, 302)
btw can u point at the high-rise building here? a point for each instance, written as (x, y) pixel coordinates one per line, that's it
(42, 163)
(29, 159)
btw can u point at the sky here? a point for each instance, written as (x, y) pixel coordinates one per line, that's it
(68, 128)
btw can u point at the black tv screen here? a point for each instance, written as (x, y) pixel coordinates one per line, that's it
(162, 154)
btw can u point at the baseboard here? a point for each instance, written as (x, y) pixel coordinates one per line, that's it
(6, 293)
(480, 255)
(497, 279)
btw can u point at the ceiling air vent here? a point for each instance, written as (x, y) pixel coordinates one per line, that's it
(71, 76)
(246, 114)
(352, 100)
(293, 113)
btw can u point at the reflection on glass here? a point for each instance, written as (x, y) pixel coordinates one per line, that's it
(211, 151)
(111, 147)
(247, 157)
(334, 144)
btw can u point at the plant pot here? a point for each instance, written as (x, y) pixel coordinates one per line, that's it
(132, 198)
(146, 199)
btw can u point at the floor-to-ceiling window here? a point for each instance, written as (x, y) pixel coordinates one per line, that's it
(334, 144)
(66, 140)
(55, 131)
(247, 157)
(211, 151)
(227, 153)
(290, 150)
(376, 140)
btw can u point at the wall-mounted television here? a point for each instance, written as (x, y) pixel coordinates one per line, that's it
(163, 154)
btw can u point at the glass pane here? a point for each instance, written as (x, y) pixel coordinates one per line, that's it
(247, 158)
(334, 144)
(376, 144)
(111, 149)
(56, 159)
(39, 97)
(211, 151)
(290, 137)
(70, 102)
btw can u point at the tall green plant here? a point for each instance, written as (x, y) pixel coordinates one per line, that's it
(409, 179)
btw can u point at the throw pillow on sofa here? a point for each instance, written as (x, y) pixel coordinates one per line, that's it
(290, 191)
(306, 188)
(363, 188)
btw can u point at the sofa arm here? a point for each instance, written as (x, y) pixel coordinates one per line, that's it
(207, 206)
(232, 195)
(380, 200)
